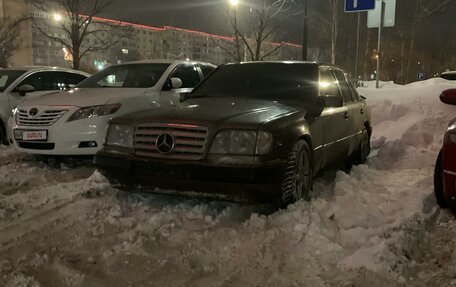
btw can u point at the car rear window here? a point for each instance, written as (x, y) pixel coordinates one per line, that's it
(262, 80)
(7, 77)
(126, 76)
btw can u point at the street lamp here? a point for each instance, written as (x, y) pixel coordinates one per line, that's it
(234, 3)
(57, 17)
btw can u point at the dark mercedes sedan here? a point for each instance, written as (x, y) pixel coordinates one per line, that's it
(259, 129)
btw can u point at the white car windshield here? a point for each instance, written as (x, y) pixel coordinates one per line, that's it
(7, 77)
(126, 76)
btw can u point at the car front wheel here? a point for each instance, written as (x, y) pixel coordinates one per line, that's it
(298, 174)
(3, 137)
(438, 182)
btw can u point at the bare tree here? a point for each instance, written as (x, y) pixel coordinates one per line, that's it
(9, 38)
(328, 16)
(78, 22)
(422, 10)
(261, 20)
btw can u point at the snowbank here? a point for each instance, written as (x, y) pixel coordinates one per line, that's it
(68, 227)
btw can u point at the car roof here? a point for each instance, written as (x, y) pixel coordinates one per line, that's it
(45, 68)
(448, 73)
(313, 63)
(165, 61)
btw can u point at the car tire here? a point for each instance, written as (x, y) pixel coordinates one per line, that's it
(3, 136)
(298, 176)
(438, 183)
(364, 148)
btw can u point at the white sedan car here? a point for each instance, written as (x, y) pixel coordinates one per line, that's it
(75, 122)
(18, 84)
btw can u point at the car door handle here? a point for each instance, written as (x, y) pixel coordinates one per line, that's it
(346, 115)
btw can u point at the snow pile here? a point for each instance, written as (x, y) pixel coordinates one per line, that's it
(69, 227)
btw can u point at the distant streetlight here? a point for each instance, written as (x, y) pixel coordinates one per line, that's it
(234, 2)
(57, 17)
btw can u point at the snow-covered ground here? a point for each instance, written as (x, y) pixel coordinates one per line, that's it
(66, 226)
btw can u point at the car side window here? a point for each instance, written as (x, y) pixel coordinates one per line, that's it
(206, 69)
(41, 81)
(344, 87)
(354, 92)
(188, 74)
(69, 80)
(328, 84)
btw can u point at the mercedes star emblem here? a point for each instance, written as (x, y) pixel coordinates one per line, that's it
(33, 112)
(164, 143)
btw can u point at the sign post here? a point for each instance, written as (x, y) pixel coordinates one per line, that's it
(382, 16)
(358, 6)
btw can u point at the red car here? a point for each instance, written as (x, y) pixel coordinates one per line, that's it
(445, 167)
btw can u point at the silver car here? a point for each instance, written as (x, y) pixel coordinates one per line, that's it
(19, 83)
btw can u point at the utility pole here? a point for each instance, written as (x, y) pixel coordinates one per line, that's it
(304, 32)
(382, 15)
(357, 48)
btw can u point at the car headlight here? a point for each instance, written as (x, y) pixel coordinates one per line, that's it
(120, 135)
(241, 142)
(264, 143)
(94, 111)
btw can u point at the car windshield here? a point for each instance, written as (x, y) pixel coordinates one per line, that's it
(265, 80)
(126, 76)
(7, 77)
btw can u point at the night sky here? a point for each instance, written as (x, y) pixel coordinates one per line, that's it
(203, 15)
(206, 15)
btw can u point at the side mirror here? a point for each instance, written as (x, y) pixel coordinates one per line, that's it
(448, 96)
(24, 89)
(176, 83)
(330, 101)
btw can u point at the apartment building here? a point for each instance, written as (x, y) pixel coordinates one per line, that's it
(142, 42)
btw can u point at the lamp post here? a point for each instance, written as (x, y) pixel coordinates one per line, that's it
(304, 32)
(234, 4)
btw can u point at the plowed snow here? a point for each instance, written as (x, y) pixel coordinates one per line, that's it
(66, 226)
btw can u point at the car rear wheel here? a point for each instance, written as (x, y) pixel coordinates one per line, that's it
(438, 182)
(364, 148)
(298, 174)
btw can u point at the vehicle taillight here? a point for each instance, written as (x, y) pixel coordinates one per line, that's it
(452, 131)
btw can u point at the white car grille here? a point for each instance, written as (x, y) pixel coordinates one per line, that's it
(188, 141)
(44, 118)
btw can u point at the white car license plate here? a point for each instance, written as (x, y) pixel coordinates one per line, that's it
(34, 135)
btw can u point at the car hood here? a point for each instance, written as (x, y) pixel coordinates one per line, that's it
(215, 111)
(82, 97)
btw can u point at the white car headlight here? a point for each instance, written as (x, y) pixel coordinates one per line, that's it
(120, 135)
(241, 142)
(94, 111)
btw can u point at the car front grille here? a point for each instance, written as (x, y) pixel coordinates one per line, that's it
(188, 140)
(44, 118)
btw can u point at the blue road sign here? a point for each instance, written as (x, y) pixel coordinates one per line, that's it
(359, 5)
